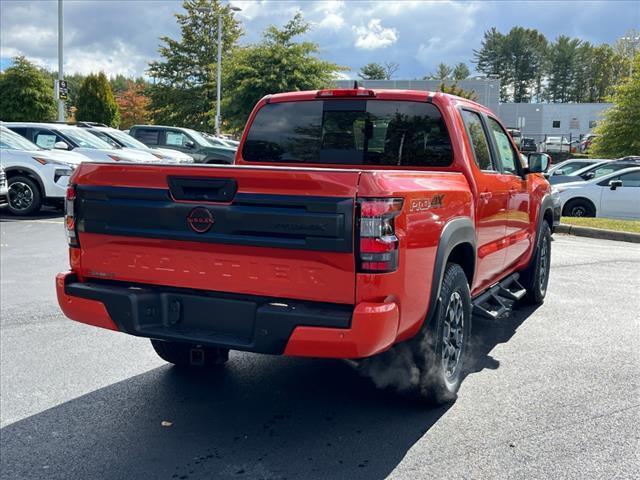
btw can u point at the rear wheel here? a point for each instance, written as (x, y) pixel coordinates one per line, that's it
(430, 365)
(579, 207)
(535, 277)
(24, 196)
(190, 355)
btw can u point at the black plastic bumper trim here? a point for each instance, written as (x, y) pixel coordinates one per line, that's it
(228, 320)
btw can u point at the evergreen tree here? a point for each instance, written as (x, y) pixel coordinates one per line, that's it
(96, 102)
(26, 94)
(461, 71)
(372, 71)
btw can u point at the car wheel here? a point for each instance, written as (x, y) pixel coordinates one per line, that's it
(24, 196)
(535, 278)
(579, 207)
(430, 365)
(189, 355)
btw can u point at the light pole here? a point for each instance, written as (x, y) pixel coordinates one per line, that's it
(60, 74)
(219, 64)
(631, 41)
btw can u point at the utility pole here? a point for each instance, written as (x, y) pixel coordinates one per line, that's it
(219, 74)
(219, 62)
(60, 73)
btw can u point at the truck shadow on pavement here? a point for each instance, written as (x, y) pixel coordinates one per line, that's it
(261, 417)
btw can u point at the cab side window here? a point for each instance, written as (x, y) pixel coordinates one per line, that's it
(479, 142)
(507, 156)
(148, 136)
(176, 139)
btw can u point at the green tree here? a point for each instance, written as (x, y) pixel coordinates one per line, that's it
(183, 91)
(461, 71)
(619, 132)
(96, 102)
(279, 63)
(562, 68)
(443, 72)
(517, 59)
(454, 89)
(372, 71)
(26, 94)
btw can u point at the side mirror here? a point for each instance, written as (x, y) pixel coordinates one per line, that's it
(558, 172)
(61, 146)
(613, 184)
(589, 175)
(538, 162)
(189, 144)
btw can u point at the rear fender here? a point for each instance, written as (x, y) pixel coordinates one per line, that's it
(457, 231)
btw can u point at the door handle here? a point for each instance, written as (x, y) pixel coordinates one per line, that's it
(485, 196)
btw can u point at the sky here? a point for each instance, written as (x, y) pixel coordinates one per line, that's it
(122, 36)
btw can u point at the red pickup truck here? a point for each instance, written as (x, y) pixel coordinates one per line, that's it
(356, 224)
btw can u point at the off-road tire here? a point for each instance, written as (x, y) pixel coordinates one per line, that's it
(416, 368)
(181, 355)
(535, 278)
(29, 191)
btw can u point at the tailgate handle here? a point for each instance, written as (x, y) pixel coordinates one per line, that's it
(202, 189)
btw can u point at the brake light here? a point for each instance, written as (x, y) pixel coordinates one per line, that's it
(346, 92)
(69, 217)
(114, 157)
(378, 244)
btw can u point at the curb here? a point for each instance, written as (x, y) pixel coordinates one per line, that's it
(598, 233)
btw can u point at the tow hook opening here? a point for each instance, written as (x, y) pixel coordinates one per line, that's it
(196, 357)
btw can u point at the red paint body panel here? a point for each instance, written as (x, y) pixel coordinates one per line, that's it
(387, 307)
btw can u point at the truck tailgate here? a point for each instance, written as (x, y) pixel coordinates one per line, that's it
(276, 232)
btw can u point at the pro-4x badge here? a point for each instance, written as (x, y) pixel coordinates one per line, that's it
(423, 204)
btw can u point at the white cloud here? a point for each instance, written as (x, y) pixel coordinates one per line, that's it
(331, 13)
(374, 35)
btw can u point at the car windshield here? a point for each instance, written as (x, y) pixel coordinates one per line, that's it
(12, 141)
(198, 137)
(84, 139)
(572, 167)
(350, 132)
(126, 140)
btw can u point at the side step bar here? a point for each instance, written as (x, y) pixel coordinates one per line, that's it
(499, 299)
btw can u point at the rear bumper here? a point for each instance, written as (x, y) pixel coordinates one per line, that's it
(238, 322)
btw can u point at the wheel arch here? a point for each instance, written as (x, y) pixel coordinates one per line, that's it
(580, 198)
(457, 244)
(26, 172)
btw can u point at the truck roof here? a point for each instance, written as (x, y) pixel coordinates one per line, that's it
(381, 94)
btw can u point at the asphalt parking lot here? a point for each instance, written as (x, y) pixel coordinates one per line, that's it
(553, 392)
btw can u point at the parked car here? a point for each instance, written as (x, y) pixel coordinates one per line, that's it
(183, 140)
(596, 170)
(217, 141)
(528, 145)
(586, 142)
(571, 165)
(34, 176)
(61, 136)
(4, 189)
(119, 139)
(555, 145)
(349, 219)
(615, 195)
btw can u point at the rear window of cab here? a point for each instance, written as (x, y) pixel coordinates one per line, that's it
(349, 132)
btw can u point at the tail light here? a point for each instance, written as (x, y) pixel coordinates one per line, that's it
(378, 244)
(69, 217)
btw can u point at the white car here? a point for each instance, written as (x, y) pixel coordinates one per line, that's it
(4, 189)
(35, 177)
(119, 139)
(616, 195)
(61, 136)
(556, 144)
(569, 166)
